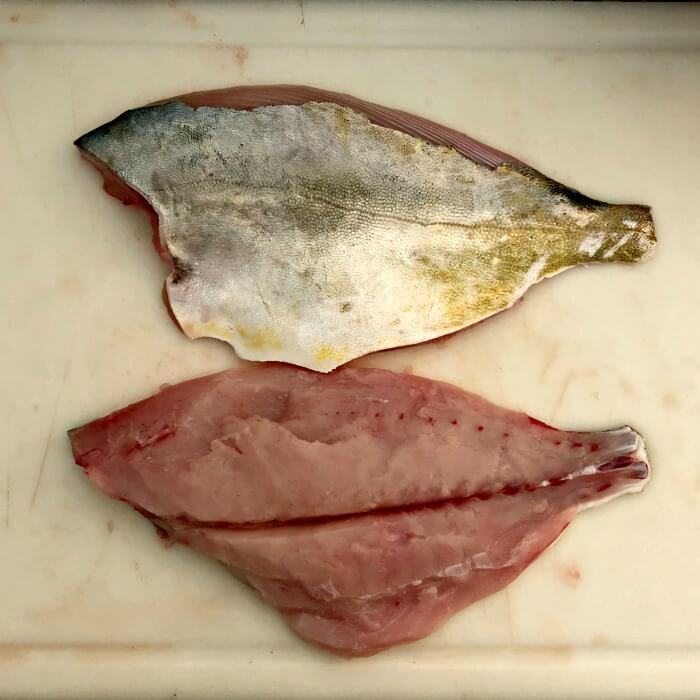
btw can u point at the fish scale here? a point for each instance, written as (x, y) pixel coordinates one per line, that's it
(311, 234)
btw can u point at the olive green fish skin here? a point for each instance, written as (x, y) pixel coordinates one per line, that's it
(307, 234)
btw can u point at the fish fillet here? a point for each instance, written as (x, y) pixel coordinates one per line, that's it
(367, 506)
(312, 227)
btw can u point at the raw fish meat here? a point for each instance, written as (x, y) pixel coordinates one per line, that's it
(312, 227)
(367, 506)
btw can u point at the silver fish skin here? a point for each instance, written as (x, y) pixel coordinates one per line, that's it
(306, 233)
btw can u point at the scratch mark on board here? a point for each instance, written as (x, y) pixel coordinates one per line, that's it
(509, 615)
(562, 393)
(7, 504)
(301, 8)
(72, 107)
(11, 128)
(551, 358)
(52, 424)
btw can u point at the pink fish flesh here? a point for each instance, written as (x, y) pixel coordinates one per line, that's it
(367, 506)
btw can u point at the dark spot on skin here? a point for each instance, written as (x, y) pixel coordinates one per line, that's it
(15, 18)
(454, 422)
(181, 270)
(479, 427)
(509, 490)
(506, 435)
(595, 447)
(377, 415)
(557, 442)
(401, 416)
(430, 419)
(337, 413)
(576, 444)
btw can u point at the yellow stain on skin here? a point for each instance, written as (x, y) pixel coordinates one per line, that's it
(260, 338)
(327, 352)
(493, 286)
(211, 329)
(449, 277)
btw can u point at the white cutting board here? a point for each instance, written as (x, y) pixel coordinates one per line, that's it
(604, 98)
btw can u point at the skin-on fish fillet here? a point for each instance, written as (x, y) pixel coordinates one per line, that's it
(367, 506)
(312, 227)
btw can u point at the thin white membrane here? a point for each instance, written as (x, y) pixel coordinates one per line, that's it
(634, 485)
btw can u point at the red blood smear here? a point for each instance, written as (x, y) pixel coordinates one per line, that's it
(539, 423)
(595, 447)
(508, 490)
(576, 444)
(168, 307)
(117, 188)
(619, 463)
